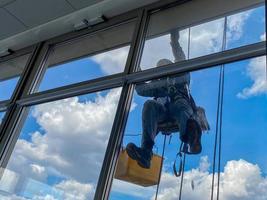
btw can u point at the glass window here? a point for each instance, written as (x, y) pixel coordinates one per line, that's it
(93, 56)
(152, 53)
(175, 35)
(206, 38)
(61, 148)
(155, 111)
(243, 166)
(10, 72)
(246, 27)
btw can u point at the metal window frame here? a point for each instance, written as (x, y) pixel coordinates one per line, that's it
(18, 106)
(22, 52)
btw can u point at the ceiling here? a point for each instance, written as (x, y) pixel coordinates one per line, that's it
(26, 22)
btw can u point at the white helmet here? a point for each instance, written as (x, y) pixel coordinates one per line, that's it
(163, 62)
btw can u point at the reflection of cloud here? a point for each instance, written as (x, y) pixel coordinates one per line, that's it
(71, 142)
(256, 71)
(206, 38)
(235, 25)
(239, 180)
(75, 190)
(13, 197)
(126, 188)
(113, 61)
(32, 189)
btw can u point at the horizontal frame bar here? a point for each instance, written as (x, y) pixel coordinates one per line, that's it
(18, 53)
(77, 89)
(212, 60)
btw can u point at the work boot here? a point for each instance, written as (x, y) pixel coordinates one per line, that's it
(193, 137)
(141, 155)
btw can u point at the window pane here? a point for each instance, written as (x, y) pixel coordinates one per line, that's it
(61, 148)
(101, 54)
(148, 115)
(206, 38)
(246, 27)
(174, 30)
(153, 49)
(10, 72)
(243, 158)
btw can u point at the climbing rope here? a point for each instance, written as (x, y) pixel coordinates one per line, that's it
(221, 110)
(183, 146)
(182, 178)
(161, 165)
(218, 134)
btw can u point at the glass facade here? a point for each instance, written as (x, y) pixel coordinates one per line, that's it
(100, 94)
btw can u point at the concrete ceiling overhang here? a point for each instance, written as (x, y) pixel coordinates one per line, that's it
(26, 22)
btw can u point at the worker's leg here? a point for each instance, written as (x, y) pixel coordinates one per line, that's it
(153, 113)
(190, 131)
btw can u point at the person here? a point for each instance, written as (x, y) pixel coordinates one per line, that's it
(171, 100)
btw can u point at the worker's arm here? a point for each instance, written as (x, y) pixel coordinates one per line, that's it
(178, 55)
(157, 88)
(177, 50)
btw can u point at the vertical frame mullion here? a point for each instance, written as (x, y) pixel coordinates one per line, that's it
(137, 43)
(116, 136)
(38, 69)
(15, 114)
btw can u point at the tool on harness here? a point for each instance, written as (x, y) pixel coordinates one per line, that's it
(182, 150)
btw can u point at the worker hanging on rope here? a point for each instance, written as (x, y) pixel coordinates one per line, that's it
(171, 101)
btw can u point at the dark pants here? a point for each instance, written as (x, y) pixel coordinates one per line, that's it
(155, 112)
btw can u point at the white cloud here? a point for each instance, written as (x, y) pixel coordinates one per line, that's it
(11, 197)
(206, 38)
(46, 197)
(113, 61)
(70, 144)
(235, 25)
(66, 189)
(257, 72)
(75, 190)
(37, 169)
(126, 188)
(8, 181)
(239, 180)
(204, 164)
